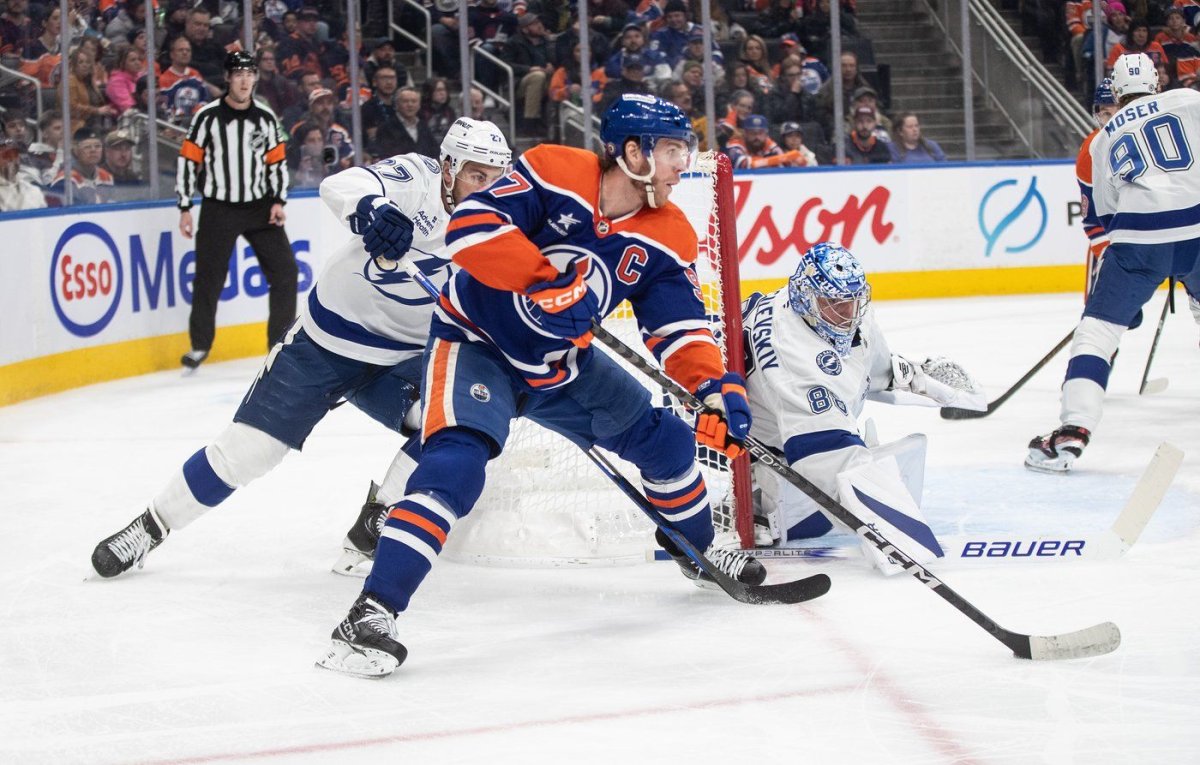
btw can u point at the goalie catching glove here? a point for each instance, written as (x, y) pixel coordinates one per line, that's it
(386, 232)
(565, 307)
(938, 381)
(725, 422)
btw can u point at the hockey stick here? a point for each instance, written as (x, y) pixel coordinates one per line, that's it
(796, 591)
(1158, 385)
(1107, 545)
(954, 413)
(1092, 641)
(787, 592)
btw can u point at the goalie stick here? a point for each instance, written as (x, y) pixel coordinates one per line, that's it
(1159, 384)
(1092, 641)
(796, 591)
(954, 413)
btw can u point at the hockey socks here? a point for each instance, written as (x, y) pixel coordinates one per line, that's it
(412, 538)
(683, 503)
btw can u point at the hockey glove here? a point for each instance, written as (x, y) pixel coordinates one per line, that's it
(565, 307)
(725, 423)
(942, 381)
(387, 233)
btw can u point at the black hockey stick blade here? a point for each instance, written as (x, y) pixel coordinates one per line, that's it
(954, 413)
(796, 591)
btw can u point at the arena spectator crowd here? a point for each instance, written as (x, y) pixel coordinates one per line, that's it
(770, 68)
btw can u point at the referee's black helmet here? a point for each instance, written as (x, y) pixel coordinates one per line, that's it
(240, 59)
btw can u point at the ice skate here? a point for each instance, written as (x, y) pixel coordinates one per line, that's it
(737, 564)
(364, 643)
(193, 359)
(358, 548)
(118, 553)
(1058, 450)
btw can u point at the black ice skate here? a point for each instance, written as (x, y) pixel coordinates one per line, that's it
(358, 548)
(364, 643)
(193, 359)
(118, 553)
(737, 564)
(1057, 451)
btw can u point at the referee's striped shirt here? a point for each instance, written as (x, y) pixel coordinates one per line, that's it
(232, 155)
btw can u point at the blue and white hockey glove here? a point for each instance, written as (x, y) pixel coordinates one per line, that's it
(387, 233)
(725, 424)
(565, 307)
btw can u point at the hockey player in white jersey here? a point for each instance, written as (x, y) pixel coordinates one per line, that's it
(1146, 189)
(360, 336)
(814, 355)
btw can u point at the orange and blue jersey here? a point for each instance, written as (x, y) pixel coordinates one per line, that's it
(538, 221)
(1097, 237)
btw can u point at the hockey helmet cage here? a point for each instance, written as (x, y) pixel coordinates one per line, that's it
(480, 141)
(1134, 74)
(647, 118)
(240, 59)
(830, 292)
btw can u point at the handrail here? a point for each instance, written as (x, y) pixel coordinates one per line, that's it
(426, 45)
(570, 113)
(511, 101)
(37, 86)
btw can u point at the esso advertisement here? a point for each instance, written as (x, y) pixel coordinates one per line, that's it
(911, 219)
(100, 277)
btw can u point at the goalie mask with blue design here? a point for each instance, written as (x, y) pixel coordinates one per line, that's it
(830, 292)
(648, 119)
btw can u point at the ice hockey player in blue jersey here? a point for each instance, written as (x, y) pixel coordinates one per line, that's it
(815, 354)
(359, 338)
(557, 243)
(1146, 190)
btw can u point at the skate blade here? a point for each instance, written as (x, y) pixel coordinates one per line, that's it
(1057, 466)
(343, 659)
(353, 563)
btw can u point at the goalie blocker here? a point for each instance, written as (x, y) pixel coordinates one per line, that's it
(816, 353)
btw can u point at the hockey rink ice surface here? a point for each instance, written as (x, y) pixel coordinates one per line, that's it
(206, 654)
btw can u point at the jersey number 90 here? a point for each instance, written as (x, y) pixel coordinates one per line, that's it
(1168, 149)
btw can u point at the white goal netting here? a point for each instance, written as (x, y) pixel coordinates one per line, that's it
(545, 503)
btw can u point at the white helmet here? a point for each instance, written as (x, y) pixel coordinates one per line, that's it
(1133, 75)
(480, 141)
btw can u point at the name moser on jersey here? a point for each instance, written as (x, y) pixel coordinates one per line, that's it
(815, 355)
(1146, 193)
(360, 339)
(543, 253)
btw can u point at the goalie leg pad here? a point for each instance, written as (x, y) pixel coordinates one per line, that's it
(238, 456)
(404, 464)
(876, 493)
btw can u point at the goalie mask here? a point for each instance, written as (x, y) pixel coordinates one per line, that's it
(1134, 75)
(470, 140)
(830, 292)
(648, 119)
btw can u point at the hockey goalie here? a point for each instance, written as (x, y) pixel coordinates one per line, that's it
(814, 355)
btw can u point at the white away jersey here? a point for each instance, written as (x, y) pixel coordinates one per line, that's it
(369, 309)
(1146, 185)
(805, 399)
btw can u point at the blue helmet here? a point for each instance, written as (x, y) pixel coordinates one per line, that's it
(1104, 95)
(645, 117)
(830, 291)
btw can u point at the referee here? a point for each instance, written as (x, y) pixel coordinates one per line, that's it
(234, 156)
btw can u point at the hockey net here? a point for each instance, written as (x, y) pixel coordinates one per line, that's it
(546, 504)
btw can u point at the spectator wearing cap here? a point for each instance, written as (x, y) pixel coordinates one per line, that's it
(118, 158)
(633, 40)
(865, 147)
(753, 147)
(632, 80)
(92, 184)
(380, 109)
(531, 57)
(122, 82)
(410, 134)
(909, 146)
(300, 51)
(678, 33)
(866, 96)
(16, 192)
(693, 53)
(789, 100)
(791, 138)
(322, 104)
(815, 73)
(1137, 40)
(280, 93)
